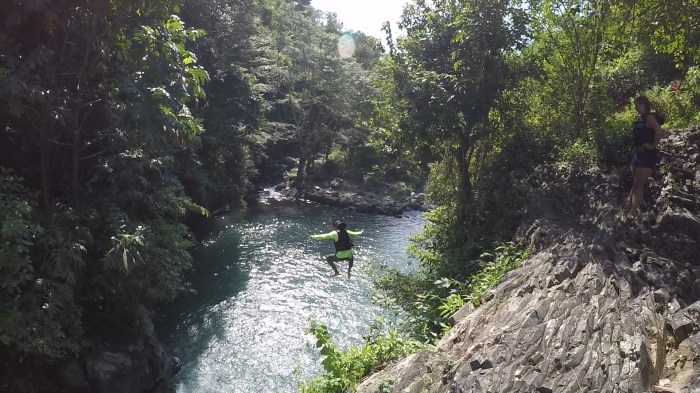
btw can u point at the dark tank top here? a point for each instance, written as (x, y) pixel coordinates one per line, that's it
(344, 243)
(641, 134)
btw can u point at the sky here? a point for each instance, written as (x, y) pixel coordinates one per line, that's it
(364, 15)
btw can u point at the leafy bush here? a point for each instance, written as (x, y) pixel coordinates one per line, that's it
(425, 303)
(345, 369)
(679, 101)
(580, 154)
(612, 141)
(38, 315)
(329, 169)
(506, 258)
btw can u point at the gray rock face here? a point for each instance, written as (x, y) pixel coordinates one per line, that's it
(74, 378)
(138, 369)
(601, 305)
(140, 365)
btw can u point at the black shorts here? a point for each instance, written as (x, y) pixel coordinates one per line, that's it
(646, 159)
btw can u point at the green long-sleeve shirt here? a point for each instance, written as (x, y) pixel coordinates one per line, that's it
(345, 254)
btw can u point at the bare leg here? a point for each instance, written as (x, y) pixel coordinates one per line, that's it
(329, 260)
(350, 266)
(629, 198)
(641, 175)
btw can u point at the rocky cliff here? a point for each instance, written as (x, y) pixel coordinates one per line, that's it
(117, 364)
(601, 306)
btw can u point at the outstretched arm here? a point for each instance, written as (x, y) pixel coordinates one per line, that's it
(325, 236)
(353, 233)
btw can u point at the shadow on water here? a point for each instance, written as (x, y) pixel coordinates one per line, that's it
(216, 277)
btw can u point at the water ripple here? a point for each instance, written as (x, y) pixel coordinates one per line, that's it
(258, 282)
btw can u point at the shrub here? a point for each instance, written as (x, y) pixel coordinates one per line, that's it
(580, 154)
(613, 140)
(680, 101)
(425, 303)
(39, 315)
(345, 369)
(507, 257)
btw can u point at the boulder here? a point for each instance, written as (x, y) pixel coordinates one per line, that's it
(74, 377)
(680, 220)
(139, 368)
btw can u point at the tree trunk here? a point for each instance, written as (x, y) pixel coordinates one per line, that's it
(464, 189)
(301, 172)
(45, 162)
(310, 165)
(75, 158)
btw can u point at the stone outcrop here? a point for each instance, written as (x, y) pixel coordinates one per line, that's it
(358, 198)
(141, 365)
(140, 368)
(602, 305)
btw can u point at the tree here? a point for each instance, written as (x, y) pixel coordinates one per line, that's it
(218, 171)
(571, 40)
(670, 27)
(453, 68)
(95, 125)
(311, 95)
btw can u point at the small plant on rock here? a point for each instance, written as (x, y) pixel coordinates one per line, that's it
(385, 386)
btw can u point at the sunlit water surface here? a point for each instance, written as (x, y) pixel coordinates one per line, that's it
(259, 280)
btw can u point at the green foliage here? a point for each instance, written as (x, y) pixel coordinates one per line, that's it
(345, 369)
(219, 170)
(612, 141)
(312, 97)
(39, 314)
(385, 386)
(99, 102)
(679, 101)
(580, 154)
(666, 30)
(438, 249)
(505, 258)
(442, 80)
(425, 301)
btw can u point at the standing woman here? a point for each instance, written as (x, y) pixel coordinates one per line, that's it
(646, 134)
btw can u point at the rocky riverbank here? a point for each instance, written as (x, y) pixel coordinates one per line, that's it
(387, 200)
(602, 305)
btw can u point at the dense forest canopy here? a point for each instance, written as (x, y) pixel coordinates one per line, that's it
(123, 120)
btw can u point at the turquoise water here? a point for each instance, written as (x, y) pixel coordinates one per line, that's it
(259, 280)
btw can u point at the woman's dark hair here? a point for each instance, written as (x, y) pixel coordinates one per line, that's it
(339, 225)
(643, 100)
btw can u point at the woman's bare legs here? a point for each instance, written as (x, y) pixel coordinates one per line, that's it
(640, 178)
(330, 259)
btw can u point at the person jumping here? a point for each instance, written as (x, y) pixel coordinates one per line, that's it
(343, 245)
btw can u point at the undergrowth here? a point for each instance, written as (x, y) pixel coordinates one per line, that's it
(425, 303)
(344, 369)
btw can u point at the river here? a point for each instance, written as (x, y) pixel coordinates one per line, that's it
(258, 282)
